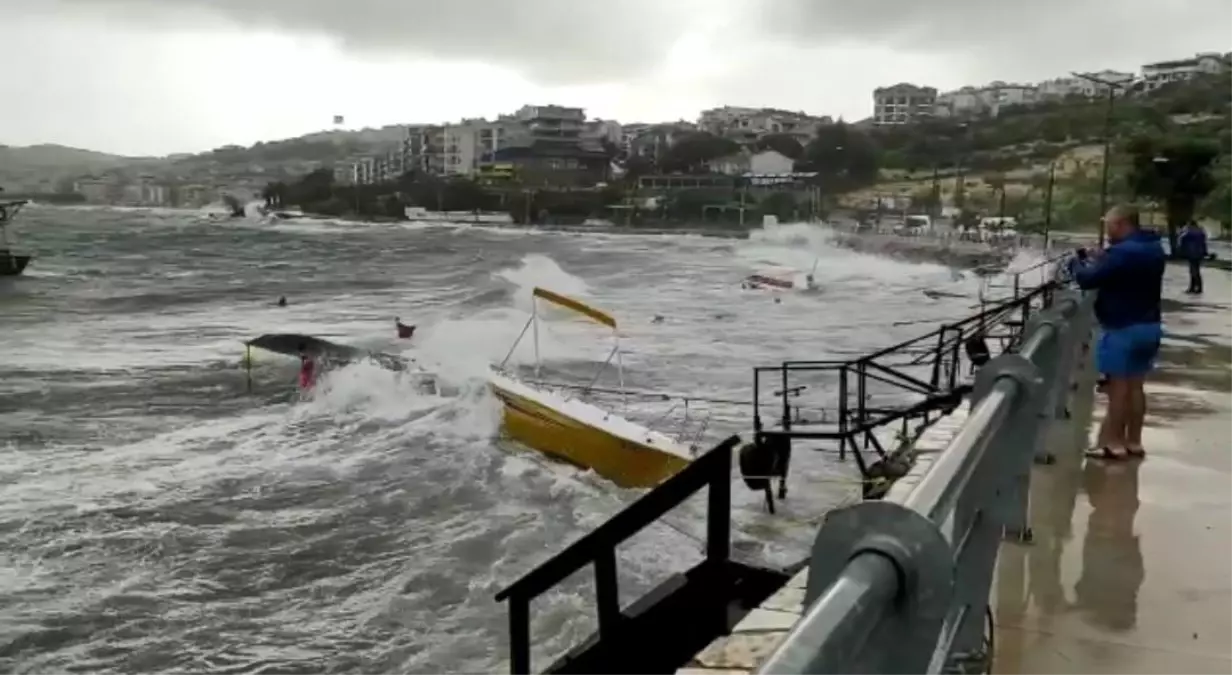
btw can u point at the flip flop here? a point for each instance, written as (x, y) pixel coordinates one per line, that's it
(1106, 453)
(1137, 453)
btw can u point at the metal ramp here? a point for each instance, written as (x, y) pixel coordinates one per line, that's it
(903, 388)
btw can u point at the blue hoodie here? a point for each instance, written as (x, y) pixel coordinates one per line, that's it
(1192, 243)
(1129, 277)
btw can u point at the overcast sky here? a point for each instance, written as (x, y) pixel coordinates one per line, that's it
(161, 76)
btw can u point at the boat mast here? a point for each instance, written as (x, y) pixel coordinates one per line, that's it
(534, 318)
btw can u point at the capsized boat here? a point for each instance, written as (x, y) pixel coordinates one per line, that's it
(11, 264)
(554, 421)
(332, 355)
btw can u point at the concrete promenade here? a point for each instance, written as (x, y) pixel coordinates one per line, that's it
(1129, 571)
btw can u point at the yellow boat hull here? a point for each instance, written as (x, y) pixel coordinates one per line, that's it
(620, 460)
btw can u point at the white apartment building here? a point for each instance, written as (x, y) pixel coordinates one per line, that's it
(1063, 87)
(604, 130)
(652, 140)
(749, 124)
(988, 99)
(1156, 75)
(903, 103)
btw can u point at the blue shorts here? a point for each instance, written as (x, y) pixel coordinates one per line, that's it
(1129, 351)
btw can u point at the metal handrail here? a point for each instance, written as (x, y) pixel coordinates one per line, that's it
(903, 585)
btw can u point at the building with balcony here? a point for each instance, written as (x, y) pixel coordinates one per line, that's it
(986, 100)
(1156, 75)
(378, 169)
(747, 125)
(547, 145)
(903, 103)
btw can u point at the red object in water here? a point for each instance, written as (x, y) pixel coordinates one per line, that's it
(307, 373)
(404, 331)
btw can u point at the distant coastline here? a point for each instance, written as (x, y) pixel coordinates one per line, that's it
(57, 198)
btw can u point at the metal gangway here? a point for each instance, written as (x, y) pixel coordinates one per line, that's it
(903, 586)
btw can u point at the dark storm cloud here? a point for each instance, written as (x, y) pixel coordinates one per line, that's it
(997, 35)
(552, 41)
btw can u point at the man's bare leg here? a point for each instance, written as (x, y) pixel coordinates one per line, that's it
(1112, 430)
(1136, 416)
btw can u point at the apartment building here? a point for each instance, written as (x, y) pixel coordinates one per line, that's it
(746, 125)
(1066, 87)
(547, 145)
(903, 103)
(609, 131)
(986, 100)
(1156, 75)
(98, 190)
(378, 169)
(652, 140)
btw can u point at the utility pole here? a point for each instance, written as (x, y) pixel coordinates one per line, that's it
(1052, 181)
(936, 193)
(1113, 87)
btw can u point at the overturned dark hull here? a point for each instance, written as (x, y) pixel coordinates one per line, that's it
(13, 265)
(289, 344)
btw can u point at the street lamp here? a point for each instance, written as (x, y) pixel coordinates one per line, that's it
(1103, 189)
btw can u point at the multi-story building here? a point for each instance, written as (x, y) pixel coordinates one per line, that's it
(378, 169)
(652, 140)
(609, 131)
(903, 103)
(746, 125)
(545, 145)
(1065, 87)
(1156, 75)
(98, 190)
(988, 99)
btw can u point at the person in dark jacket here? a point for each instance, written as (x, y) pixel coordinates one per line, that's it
(1192, 245)
(1128, 279)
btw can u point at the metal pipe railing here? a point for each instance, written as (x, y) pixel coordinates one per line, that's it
(903, 586)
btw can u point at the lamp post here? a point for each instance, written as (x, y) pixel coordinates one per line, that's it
(1103, 188)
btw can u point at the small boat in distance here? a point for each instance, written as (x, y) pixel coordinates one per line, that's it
(552, 419)
(11, 264)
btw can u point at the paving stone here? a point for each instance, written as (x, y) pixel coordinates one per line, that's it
(787, 599)
(738, 652)
(761, 620)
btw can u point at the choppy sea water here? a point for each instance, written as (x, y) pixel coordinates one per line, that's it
(156, 515)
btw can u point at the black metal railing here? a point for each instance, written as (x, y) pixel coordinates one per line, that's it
(598, 547)
(907, 383)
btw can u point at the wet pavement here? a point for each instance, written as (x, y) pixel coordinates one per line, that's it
(1128, 571)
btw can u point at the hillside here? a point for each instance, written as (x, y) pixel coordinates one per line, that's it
(1013, 154)
(56, 157)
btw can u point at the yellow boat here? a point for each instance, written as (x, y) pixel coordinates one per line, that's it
(558, 424)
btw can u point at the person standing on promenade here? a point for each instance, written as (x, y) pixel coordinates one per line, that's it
(1128, 279)
(1192, 244)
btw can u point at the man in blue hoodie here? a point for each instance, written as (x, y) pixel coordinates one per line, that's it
(1192, 245)
(1128, 279)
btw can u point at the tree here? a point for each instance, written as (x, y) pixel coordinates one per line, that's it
(1219, 203)
(691, 153)
(843, 157)
(1176, 172)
